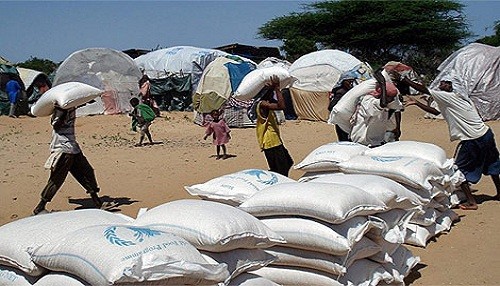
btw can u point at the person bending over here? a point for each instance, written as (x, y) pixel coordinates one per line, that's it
(477, 152)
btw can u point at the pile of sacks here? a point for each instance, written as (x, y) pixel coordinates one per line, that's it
(335, 232)
(421, 169)
(349, 217)
(183, 242)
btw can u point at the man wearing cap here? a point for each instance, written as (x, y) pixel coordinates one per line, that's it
(476, 154)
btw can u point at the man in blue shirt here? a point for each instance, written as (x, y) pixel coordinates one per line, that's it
(13, 89)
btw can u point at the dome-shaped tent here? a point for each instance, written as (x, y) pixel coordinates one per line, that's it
(317, 73)
(103, 68)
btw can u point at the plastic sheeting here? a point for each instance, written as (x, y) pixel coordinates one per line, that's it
(172, 93)
(103, 68)
(218, 82)
(321, 70)
(179, 60)
(475, 71)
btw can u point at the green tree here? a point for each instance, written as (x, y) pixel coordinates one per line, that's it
(419, 33)
(493, 40)
(41, 65)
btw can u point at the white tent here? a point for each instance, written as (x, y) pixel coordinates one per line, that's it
(475, 71)
(317, 73)
(321, 70)
(180, 60)
(103, 68)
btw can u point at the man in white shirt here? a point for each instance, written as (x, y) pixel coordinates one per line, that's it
(476, 154)
(373, 118)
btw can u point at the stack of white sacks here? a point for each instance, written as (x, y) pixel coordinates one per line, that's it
(184, 242)
(420, 168)
(347, 220)
(335, 233)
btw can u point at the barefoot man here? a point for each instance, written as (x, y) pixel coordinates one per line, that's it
(66, 157)
(477, 152)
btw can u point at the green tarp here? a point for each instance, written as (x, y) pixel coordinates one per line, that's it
(172, 93)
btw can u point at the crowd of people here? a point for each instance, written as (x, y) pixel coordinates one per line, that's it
(375, 121)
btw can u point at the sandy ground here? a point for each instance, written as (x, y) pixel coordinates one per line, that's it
(144, 177)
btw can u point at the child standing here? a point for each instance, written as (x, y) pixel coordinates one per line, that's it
(220, 132)
(142, 117)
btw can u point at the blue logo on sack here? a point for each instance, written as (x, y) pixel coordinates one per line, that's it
(134, 235)
(263, 177)
(386, 158)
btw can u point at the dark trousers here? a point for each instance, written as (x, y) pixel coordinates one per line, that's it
(78, 166)
(341, 134)
(478, 157)
(279, 160)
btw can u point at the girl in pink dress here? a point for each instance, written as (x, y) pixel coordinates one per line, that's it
(220, 133)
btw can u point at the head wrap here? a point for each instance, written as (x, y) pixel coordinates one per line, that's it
(390, 90)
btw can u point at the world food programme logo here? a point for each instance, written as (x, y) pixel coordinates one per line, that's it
(263, 177)
(386, 158)
(133, 235)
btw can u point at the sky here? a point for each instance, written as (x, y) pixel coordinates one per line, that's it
(55, 29)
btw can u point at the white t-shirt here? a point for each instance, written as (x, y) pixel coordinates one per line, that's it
(464, 122)
(371, 121)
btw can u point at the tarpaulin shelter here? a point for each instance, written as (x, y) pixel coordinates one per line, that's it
(103, 68)
(172, 93)
(475, 72)
(317, 73)
(183, 65)
(219, 81)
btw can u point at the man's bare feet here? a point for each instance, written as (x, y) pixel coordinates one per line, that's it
(218, 157)
(225, 156)
(138, 145)
(468, 207)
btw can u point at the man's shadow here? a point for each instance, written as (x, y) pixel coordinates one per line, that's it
(482, 198)
(108, 203)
